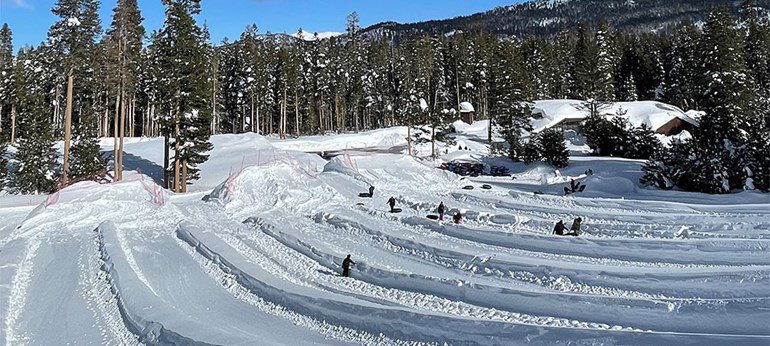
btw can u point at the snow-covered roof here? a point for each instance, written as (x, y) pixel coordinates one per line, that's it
(466, 107)
(651, 113)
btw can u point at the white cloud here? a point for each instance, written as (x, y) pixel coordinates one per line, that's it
(16, 3)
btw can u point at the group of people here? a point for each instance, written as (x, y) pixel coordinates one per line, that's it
(457, 217)
(560, 228)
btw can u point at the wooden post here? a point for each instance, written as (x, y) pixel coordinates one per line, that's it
(67, 129)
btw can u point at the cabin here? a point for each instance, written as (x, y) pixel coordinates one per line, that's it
(567, 115)
(467, 112)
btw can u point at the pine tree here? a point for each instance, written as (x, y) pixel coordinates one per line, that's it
(682, 62)
(606, 61)
(6, 80)
(727, 104)
(36, 169)
(643, 143)
(508, 98)
(87, 161)
(182, 54)
(73, 37)
(553, 149)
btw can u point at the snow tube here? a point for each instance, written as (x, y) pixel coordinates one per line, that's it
(468, 187)
(364, 195)
(486, 187)
(396, 210)
(433, 217)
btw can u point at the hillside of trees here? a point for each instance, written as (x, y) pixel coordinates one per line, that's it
(184, 88)
(549, 17)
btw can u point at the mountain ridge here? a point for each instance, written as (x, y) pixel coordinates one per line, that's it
(548, 17)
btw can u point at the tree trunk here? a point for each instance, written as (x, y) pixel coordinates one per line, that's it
(409, 139)
(13, 123)
(165, 159)
(115, 135)
(1, 118)
(253, 120)
(296, 113)
(122, 133)
(184, 176)
(176, 159)
(433, 142)
(67, 130)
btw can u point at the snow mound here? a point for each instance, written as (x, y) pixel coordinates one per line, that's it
(136, 188)
(383, 139)
(280, 184)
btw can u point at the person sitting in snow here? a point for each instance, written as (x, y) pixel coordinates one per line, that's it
(392, 204)
(575, 230)
(457, 218)
(441, 210)
(346, 266)
(559, 228)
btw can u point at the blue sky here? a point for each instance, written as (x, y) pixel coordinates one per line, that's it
(30, 19)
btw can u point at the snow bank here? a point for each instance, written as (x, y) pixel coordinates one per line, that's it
(381, 139)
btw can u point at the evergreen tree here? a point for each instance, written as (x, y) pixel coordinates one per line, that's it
(727, 102)
(682, 62)
(87, 160)
(36, 170)
(6, 80)
(553, 149)
(507, 98)
(182, 54)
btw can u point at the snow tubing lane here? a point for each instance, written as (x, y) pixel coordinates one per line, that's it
(148, 332)
(398, 324)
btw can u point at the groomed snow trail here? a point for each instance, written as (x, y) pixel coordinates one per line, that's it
(255, 258)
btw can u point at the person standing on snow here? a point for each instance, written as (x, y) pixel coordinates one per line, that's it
(559, 228)
(371, 191)
(457, 218)
(392, 204)
(346, 266)
(441, 210)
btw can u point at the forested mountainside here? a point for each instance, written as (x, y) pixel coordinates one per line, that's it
(547, 17)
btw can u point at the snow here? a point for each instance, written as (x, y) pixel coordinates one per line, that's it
(251, 255)
(311, 36)
(466, 107)
(73, 21)
(651, 113)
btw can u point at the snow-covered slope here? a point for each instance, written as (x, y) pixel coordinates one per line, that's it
(253, 255)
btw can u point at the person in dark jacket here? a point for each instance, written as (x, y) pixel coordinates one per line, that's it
(392, 204)
(346, 266)
(575, 230)
(559, 228)
(441, 210)
(457, 218)
(371, 191)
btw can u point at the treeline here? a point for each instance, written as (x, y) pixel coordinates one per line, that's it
(181, 87)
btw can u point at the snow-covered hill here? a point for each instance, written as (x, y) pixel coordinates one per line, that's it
(253, 254)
